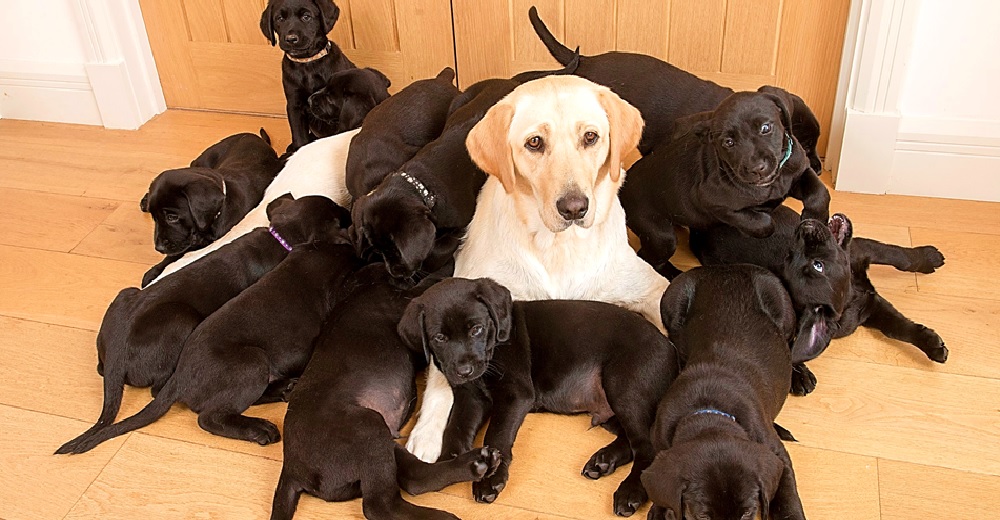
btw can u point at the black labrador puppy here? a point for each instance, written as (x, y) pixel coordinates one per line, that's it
(663, 93)
(826, 273)
(733, 165)
(343, 414)
(143, 331)
(719, 455)
(258, 341)
(300, 27)
(507, 359)
(344, 102)
(192, 207)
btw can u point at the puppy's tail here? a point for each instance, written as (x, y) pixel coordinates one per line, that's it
(264, 136)
(286, 497)
(560, 52)
(156, 408)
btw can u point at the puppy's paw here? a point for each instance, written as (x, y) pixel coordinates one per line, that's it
(606, 461)
(659, 513)
(803, 380)
(263, 433)
(629, 497)
(933, 346)
(425, 443)
(483, 462)
(926, 259)
(488, 489)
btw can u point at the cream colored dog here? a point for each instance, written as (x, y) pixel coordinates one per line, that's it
(548, 223)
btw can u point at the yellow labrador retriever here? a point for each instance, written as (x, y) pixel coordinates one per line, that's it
(548, 223)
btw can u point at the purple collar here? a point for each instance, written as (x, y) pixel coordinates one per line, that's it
(282, 241)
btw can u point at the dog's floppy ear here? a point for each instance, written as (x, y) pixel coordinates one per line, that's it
(330, 12)
(267, 23)
(382, 78)
(205, 198)
(783, 99)
(768, 479)
(487, 144)
(277, 203)
(626, 124)
(411, 327)
(665, 485)
(699, 124)
(144, 203)
(774, 300)
(498, 303)
(814, 335)
(675, 303)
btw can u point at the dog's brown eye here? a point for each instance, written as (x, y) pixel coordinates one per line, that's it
(440, 338)
(589, 138)
(728, 142)
(171, 218)
(306, 17)
(765, 128)
(817, 266)
(476, 331)
(534, 143)
(279, 18)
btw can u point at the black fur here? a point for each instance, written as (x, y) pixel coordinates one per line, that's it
(344, 103)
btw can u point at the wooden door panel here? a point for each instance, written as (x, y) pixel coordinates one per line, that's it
(243, 21)
(750, 43)
(695, 34)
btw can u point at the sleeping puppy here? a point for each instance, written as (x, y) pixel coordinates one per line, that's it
(504, 360)
(299, 28)
(664, 93)
(826, 273)
(343, 414)
(397, 129)
(733, 165)
(143, 331)
(719, 455)
(259, 340)
(344, 102)
(191, 207)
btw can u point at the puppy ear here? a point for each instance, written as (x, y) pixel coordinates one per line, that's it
(773, 299)
(665, 485)
(498, 303)
(675, 303)
(626, 124)
(267, 24)
(768, 479)
(144, 203)
(487, 144)
(277, 203)
(412, 328)
(205, 198)
(814, 335)
(381, 77)
(330, 12)
(699, 124)
(784, 101)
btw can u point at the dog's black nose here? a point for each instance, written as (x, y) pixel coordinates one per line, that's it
(760, 168)
(292, 38)
(573, 206)
(464, 370)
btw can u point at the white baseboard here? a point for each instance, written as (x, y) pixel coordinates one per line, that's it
(946, 175)
(56, 92)
(866, 152)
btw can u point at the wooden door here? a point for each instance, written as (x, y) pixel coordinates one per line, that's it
(742, 44)
(210, 54)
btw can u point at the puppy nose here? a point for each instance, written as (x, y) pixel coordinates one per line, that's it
(760, 168)
(464, 370)
(573, 206)
(292, 38)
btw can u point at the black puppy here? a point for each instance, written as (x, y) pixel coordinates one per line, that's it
(300, 27)
(826, 273)
(733, 165)
(718, 454)
(191, 207)
(663, 93)
(343, 414)
(397, 129)
(507, 359)
(143, 331)
(344, 102)
(259, 340)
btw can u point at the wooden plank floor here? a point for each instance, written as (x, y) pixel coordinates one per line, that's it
(887, 434)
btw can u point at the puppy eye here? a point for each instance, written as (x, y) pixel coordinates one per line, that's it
(476, 331)
(279, 18)
(590, 138)
(534, 143)
(765, 128)
(440, 338)
(817, 266)
(306, 17)
(728, 142)
(171, 218)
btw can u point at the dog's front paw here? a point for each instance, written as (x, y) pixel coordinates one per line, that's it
(659, 513)
(488, 489)
(629, 497)
(803, 380)
(424, 443)
(606, 461)
(263, 433)
(926, 259)
(483, 462)
(933, 346)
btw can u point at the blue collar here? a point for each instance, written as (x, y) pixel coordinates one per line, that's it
(279, 238)
(713, 412)
(788, 151)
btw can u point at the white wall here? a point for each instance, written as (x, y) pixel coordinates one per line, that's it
(77, 61)
(923, 115)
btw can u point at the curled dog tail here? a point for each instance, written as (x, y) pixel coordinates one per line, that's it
(264, 136)
(156, 408)
(560, 52)
(286, 497)
(446, 74)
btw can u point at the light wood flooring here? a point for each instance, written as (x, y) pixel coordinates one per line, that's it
(886, 435)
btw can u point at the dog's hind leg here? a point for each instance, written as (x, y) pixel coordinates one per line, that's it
(245, 382)
(607, 459)
(885, 318)
(416, 476)
(379, 489)
(923, 259)
(286, 497)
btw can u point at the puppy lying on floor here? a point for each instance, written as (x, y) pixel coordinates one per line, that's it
(733, 165)
(718, 454)
(507, 359)
(143, 331)
(260, 340)
(356, 393)
(345, 101)
(664, 93)
(826, 273)
(191, 207)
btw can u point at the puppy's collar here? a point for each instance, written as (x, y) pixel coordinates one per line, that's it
(279, 238)
(713, 412)
(223, 198)
(429, 198)
(788, 151)
(314, 57)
